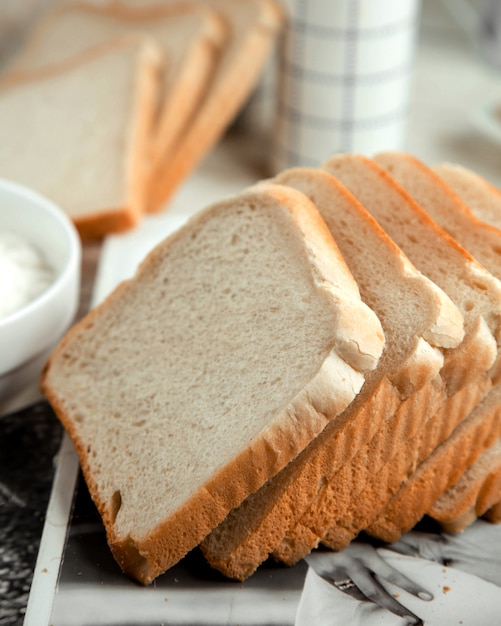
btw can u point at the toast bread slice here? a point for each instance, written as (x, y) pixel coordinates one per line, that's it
(174, 430)
(251, 532)
(54, 142)
(352, 500)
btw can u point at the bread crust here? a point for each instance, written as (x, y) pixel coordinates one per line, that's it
(478, 489)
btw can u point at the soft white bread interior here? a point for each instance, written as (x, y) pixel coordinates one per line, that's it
(240, 338)
(418, 319)
(54, 139)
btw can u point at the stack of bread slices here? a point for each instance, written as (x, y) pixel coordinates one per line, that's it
(315, 357)
(108, 107)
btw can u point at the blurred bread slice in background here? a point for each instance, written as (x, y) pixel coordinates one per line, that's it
(253, 28)
(191, 36)
(55, 140)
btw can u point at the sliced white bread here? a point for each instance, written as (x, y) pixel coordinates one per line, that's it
(484, 241)
(419, 238)
(239, 339)
(54, 139)
(475, 493)
(190, 34)
(483, 198)
(447, 209)
(254, 26)
(418, 320)
(477, 489)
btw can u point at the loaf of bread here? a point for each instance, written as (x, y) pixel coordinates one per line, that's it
(430, 248)
(338, 515)
(238, 341)
(477, 491)
(190, 35)
(482, 239)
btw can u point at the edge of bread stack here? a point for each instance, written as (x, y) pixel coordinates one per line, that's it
(109, 107)
(315, 357)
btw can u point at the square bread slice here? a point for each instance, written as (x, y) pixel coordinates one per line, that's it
(254, 26)
(190, 34)
(419, 321)
(239, 339)
(55, 141)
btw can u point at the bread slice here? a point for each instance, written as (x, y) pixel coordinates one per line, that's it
(482, 198)
(416, 237)
(238, 340)
(54, 141)
(190, 34)
(447, 209)
(254, 28)
(475, 493)
(418, 320)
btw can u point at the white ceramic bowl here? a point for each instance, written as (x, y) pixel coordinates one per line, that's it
(28, 334)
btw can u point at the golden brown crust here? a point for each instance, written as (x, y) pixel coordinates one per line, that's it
(100, 221)
(220, 106)
(473, 495)
(296, 487)
(442, 470)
